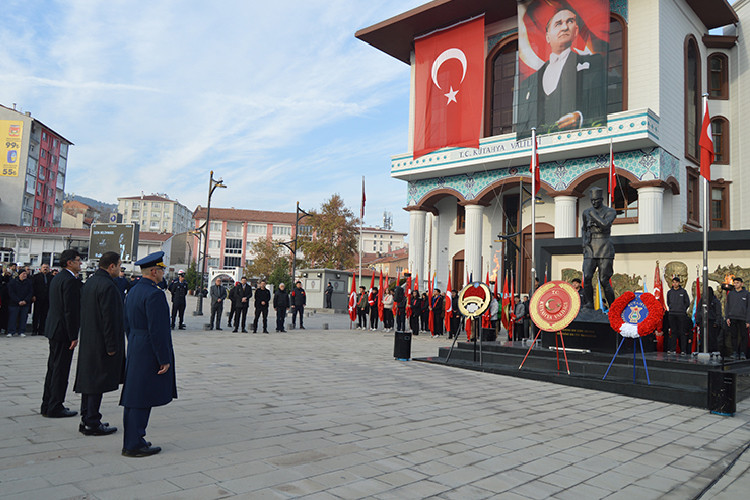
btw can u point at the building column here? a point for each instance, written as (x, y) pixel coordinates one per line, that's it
(650, 208)
(432, 246)
(473, 241)
(565, 216)
(416, 241)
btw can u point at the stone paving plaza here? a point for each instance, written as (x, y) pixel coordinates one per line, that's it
(329, 414)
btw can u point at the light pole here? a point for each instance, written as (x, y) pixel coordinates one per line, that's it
(212, 185)
(292, 245)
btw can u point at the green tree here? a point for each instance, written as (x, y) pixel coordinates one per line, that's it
(191, 276)
(269, 262)
(333, 244)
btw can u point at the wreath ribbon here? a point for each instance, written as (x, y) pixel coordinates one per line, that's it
(650, 323)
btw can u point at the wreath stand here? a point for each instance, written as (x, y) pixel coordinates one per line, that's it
(557, 349)
(636, 329)
(643, 357)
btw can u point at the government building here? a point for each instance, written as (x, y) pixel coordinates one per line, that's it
(662, 56)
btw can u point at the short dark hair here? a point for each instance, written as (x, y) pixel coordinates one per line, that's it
(68, 255)
(109, 258)
(575, 280)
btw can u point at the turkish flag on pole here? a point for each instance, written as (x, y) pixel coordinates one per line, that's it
(707, 144)
(448, 304)
(612, 176)
(353, 302)
(449, 92)
(364, 199)
(534, 169)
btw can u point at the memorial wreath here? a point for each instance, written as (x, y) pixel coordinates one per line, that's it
(647, 326)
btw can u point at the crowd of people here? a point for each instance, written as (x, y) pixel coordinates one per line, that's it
(96, 316)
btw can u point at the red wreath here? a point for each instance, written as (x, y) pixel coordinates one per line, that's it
(650, 323)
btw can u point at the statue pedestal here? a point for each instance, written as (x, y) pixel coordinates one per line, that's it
(590, 330)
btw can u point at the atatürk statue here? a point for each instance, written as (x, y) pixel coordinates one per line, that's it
(598, 250)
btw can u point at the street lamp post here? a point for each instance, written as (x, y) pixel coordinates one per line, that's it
(212, 185)
(292, 245)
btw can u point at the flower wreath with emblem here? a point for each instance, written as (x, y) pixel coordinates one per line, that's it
(650, 323)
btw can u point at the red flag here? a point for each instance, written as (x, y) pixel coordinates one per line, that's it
(534, 169)
(416, 281)
(380, 295)
(505, 317)
(707, 144)
(486, 316)
(407, 291)
(468, 320)
(512, 295)
(398, 277)
(449, 95)
(659, 294)
(612, 176)
(430, 319)
(448, 304)
(364, 199)
(353, 302)
(696, 306)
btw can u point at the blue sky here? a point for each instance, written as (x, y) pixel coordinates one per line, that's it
(278, 98)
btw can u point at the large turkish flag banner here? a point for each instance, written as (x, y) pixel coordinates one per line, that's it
(449, 92)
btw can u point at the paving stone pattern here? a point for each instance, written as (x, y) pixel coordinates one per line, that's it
(326, 414)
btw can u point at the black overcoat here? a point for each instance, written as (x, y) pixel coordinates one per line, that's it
(102, 332)
(64, 316)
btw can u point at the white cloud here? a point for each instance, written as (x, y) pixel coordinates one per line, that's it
(279, 97)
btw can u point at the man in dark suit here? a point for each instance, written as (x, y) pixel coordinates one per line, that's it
(61, 328)
(101, 351)
(280, 305)
(242, 294)
(179, 290)
(40, 282)
(262, 298)
(569, 90)
(218, 294)
(149, 367)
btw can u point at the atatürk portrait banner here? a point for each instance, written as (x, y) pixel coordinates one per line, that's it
(562, 60)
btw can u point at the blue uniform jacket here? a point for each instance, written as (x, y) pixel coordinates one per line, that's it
(147, 327)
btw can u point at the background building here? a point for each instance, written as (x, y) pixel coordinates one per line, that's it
(375, 239)
(663, 55)
(231, 231)
(155, 213)
(32, 180)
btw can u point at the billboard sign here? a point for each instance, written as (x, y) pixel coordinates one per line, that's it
(11, 135)
(562, 61)
(120, 238)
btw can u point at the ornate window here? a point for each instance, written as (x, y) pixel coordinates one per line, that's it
(502, 82)
(626, 201)
(460, 219)
(718, 76)
(720, 131)
(692, 98)
(617, 66)
(693, 197)
(719, 205)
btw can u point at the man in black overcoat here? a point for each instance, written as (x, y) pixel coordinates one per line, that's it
(61, 328)
(179, 290)
(262, 298)
(218, 294)
(40, 282)
(280, 305)
(101, 348)
(242, 293)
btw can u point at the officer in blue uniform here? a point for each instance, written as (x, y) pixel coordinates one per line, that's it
(149, 369)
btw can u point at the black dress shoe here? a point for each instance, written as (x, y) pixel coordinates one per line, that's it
(218, 328)
(301, 327)
(82, 426)
(99, 430)
(182, 327)
(234, 331)
(245, 331)
(146, 451)
(64, 413)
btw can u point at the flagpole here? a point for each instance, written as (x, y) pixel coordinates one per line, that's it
(533, 209)
(361, 218)
(611, 174)
(706, 221)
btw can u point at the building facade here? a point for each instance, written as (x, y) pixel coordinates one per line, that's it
(231, 232)
(375, 239)
(466, 204)
(34, 166)
(155, 213)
